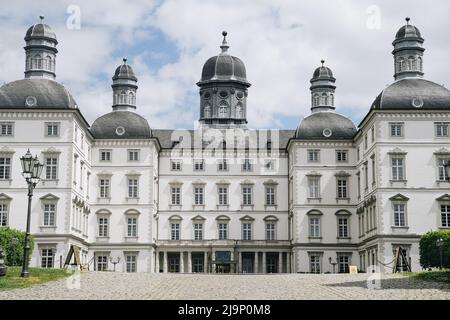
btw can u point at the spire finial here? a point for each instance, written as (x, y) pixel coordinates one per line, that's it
(322, 61)
(224, 45)
(407, 20)
(124, 60)
(42, 18)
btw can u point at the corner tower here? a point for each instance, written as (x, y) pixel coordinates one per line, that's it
(223, 91)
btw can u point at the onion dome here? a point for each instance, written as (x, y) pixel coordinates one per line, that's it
(408, 32)
(124, 71)
(326, 125)
(121, 125)
(40, 31)
(36, 93)
(323, 73)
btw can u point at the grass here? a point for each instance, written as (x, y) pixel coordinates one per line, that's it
(435, 276)
(12, 280)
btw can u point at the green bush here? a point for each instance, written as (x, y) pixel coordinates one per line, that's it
(429, 251)
(13, 250)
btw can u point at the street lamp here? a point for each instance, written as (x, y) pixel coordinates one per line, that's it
(31, 171)
(332, 263)
(439, 244)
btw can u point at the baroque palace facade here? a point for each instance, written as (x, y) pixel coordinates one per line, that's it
(224, 198)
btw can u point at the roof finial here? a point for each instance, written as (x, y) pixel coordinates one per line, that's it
(224, 45)
(322, 61)
(124, 60)
(41, 17)
(407, 20)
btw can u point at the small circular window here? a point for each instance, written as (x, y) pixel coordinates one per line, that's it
(223, 94)
(120, 131)
(417, 102)
(207, 95)
(240, 95)
(327, 132)
(31, 101)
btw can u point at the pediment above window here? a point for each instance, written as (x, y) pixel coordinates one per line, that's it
(175, 217)
(5, 197)
(247, 182)
(397, 151)
(6, 150)
(399, 197)
(198, 218)
(314, 212)
(104, 173)
(104, 212)
(130, 212)
(198, 182)
(343, 213)
(342, 174)
(49, 197)
(270, 218)
(51, 150)
(247, 218)
(445, 197)
(313, 174)
(223, 218)
(133, 173)
(270, 182)
(442, 152)
(175, 183)
(222, 182)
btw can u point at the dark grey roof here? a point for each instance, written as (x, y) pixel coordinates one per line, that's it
(40, 30)
(47, 93)
(406, 93)
(224, 67)
(124, 71)
(408, 31)
(166, 137)
(322, 73)
(314, 125)
(134, 125)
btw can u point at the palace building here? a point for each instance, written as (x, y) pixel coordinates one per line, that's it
(224, 198)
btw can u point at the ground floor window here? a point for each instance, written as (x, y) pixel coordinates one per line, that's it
(314, 263)
(174, 264)
(102, 263)
(343, 261)
(131, 263)
(198, 263)
(47, 258)
(272, 264)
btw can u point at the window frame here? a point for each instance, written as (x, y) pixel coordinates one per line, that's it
(7, 167)
(315, 158)
(136, 155)
(105, 152)
(52, 125)
(6, 124)
(394, 127)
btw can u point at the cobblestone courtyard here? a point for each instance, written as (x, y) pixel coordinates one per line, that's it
(108, 285)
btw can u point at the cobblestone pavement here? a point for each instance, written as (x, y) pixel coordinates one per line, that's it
(109, 285)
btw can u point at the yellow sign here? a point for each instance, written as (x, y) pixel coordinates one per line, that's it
(353, 269)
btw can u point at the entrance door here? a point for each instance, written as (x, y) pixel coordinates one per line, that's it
(247, 263)
(272, 263)
(174, 264)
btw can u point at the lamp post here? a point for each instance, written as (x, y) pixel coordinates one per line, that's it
(31, 171)
(332, 263)
(439, 244)
(114, 262)
(3, 268)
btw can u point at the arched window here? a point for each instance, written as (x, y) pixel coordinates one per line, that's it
(400, 65)
(316, 100)
(420, 64)
(332, 99)
(239, 110)
(28, 63)
(223, 110)
(207, 111)
(36, 62)
(132, 98)
(324, 99)
(411, 64)
(122, 97)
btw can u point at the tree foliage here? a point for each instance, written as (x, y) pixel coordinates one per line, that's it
(430, 255)
(12, 243)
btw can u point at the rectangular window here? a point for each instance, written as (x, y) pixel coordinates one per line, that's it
(441, 129)
(270, 231)
(223, 195)
(105, 155)
(6, 129)
(222, 165)
(443, 176)
(175, 195)
(198, 195)
(445, 216)
(358, 175)
(342, 188)
(344, 261)
(366, 144)
(247, 198)
(373, 170)
(373, 133)
(314, 263)
(396, 129)
(51, 168)
(199, 165)
(398, 168)
(102, 263)
(104, 188)
(47, 258)
(313, 155)
(5, 168)
(223, 231)
(357, 154)
(49, 214)
(52, 129)
(341, 155)
(399, 215)
(103, 227)
(175, 165)
(133, 155)
(133, 188)
(270, 196)
(3, 215)
(198, 231)
(343, 228)
(314, 227)
(246, 231)
(131, 263)
(175, 231)
(132, 227)
(247, 165)
(313, 187)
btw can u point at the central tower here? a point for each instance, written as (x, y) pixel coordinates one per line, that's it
(223, 91)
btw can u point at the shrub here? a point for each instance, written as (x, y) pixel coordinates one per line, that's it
(429, 251)
(13, 250)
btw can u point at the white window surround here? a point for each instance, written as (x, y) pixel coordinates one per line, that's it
(49, 212)
(133, 155)
(399, 211)
(6, 129)
(105, 155)
(52, 129)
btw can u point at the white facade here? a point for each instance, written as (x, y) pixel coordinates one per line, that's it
(284, 204)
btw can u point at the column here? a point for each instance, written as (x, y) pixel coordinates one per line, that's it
(205, 262)
(288, 262)
(156, 261)
(256, 263)
(280, 262)
(166, 263)
(264, 264)
(232, 266)
(239, 266)
(181, 261)
(213, 266)
(189, 262)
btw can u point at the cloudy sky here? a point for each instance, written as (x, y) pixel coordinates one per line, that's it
(281, 43)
